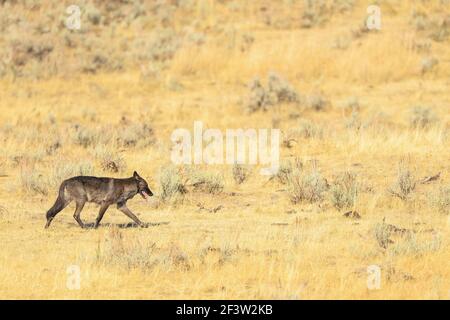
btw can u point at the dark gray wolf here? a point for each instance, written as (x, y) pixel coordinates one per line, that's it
(103, 191)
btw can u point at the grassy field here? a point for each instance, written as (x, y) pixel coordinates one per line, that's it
(365, 161)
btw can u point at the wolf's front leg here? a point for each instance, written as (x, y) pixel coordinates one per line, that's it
(101, 212)
(123, 207)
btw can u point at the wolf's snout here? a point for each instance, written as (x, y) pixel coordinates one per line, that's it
(146, 194)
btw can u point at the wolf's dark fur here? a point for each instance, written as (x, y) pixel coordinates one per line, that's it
(103, 191)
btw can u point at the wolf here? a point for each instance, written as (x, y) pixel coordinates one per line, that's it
(103, 191)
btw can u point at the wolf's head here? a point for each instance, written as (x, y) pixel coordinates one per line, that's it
(142, 185)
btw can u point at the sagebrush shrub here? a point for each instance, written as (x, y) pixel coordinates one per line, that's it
(109, 160)
(277, 91)
(207, 182)
(306, 186)
(405, 183)
(422, 117)
(344, 190)
(173, 185)
(441, 199)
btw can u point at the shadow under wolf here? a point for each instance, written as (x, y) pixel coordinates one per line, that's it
(103, 191)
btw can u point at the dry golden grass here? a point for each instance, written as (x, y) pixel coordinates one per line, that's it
(258, 244)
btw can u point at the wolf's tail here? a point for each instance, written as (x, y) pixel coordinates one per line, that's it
(59, 204)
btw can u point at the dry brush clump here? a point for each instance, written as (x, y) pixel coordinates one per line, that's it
(208, 182)
(422, 117)
(433, 26)
(89, 137)
(240, 173)
(176, 182)
(428, 64)
(318, 12)
(157, 51)
(110, 161)
(124, 135)
(440, 199)
(310, 186)
(310, 130)
(351, 105)
(414, 245)
(137, 135)
(306, 130)
(173, 184)
(383, 233)
(405, 183)
(306, 185)
(344, 190)
(317, 102)
(287, 167)
(277, 91)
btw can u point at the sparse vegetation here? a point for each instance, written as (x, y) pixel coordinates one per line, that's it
(383, 234)
(428, 64)
(240, 173)
(405, 183)
(422, 117)
(104, 101)
(307, 186)
(110, 161)
(344, 190)
(136, 135)
(441, 199)
(33, 181)
(208, 182)
(286, 169)
(413, 245)
(317, 102)
(136, 253)
(173, 185)
(433, 26)
(277, 91)
(309, 129)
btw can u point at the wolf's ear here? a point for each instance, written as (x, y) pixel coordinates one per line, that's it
(135, 175)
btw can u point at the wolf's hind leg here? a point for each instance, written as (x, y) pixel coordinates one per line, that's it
(76, 214)
(59, 205)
